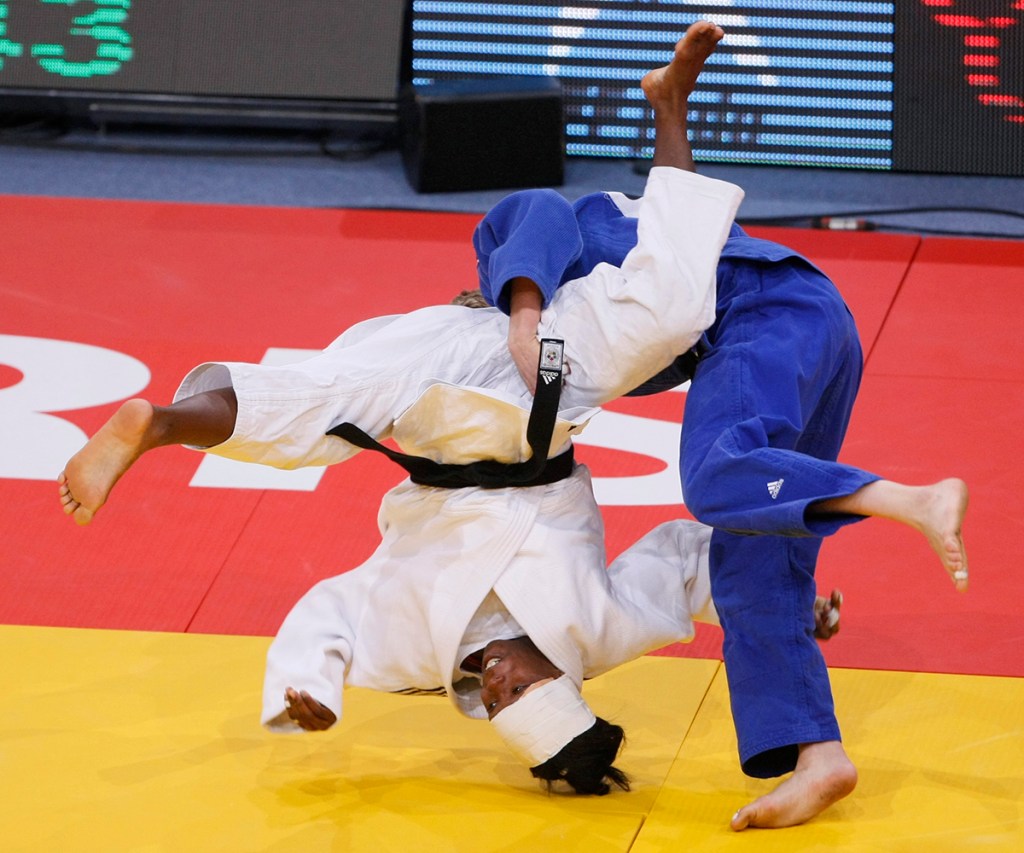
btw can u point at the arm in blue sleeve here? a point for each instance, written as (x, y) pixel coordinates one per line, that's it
(532, 233)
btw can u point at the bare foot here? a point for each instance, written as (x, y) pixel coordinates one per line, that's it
(937, 511)
(91, 473)
(826, 615)
(823, 776)
(940, 519)
(669, 87)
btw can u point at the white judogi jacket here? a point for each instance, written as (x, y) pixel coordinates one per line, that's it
(441, 383)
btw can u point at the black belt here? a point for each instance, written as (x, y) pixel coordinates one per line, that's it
(538, 470)
(679, 371)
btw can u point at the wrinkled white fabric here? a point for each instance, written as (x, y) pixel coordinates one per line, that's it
(440, 382)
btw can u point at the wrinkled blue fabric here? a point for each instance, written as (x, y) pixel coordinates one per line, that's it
(765, 417)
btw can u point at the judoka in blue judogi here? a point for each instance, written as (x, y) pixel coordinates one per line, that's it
(765, 417)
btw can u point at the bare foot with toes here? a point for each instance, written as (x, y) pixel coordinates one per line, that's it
(941, 520)
(823, 776)
(669, 88)
(90, 474)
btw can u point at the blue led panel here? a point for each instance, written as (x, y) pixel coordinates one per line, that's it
(795, 82)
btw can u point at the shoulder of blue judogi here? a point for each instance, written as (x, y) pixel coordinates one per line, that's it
(740, 247)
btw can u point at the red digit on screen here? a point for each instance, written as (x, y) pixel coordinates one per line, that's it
(984, 49)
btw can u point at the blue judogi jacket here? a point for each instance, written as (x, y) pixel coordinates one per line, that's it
(540, 235)
(778, 682)
(763, 551)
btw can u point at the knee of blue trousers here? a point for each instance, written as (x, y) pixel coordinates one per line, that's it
(708, 491)
(698, 473)
(716, 459)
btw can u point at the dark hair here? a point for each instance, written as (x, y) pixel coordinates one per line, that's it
(585, 762)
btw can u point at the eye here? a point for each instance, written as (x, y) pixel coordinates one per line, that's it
(491, 706)
(517, 690)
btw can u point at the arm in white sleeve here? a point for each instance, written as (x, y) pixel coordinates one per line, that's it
(312, 651)
(623, 325)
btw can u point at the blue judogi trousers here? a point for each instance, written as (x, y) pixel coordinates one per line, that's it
(766, 414)
(765, 417)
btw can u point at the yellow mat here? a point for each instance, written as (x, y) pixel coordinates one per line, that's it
(940, 760)
(117, 741)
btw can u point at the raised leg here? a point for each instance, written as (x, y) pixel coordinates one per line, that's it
(937, 511)
(138, 426)
(668, 91)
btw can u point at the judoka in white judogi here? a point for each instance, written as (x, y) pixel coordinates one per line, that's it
(458, 567)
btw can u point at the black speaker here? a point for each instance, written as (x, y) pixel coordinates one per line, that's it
(494, 133)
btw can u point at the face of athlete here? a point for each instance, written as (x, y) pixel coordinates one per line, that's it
(510, 669)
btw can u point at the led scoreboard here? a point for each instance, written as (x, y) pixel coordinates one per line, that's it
(913, 85)
(146, 57)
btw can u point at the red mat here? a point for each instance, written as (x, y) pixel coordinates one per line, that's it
(165, 286)
(943, 394)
